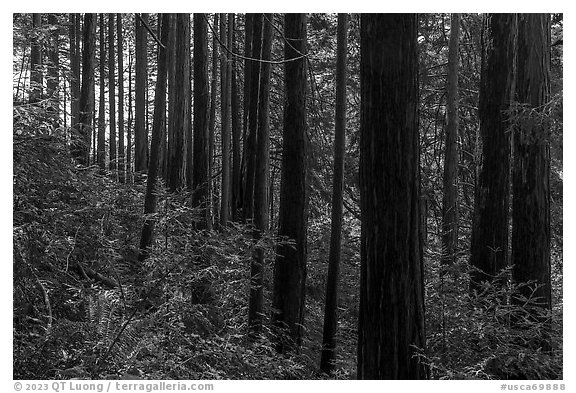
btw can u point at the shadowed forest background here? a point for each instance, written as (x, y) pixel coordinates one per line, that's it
(287, 196)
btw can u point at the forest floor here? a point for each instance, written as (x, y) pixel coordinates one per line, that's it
(84, 307)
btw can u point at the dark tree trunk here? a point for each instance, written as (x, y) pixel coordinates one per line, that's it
(130, 120)
(121, 148)
(330, 311)
(74, 35)
(236, 125)
(225, 72)
(290, 266)
(201, 100)
(255, 307)
(176, 146)
(450, 196)
(81, 142)
(170, 153)
(36, 77)
(248, 27)
(52, 80)
(531, 166)
(101, 147)
(489, 243)
(251, 137)
(158, 127)
(140, 131)
(212, 121)
(391, 314)
(112, 95)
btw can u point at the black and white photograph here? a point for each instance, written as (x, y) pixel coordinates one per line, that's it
(287, 196)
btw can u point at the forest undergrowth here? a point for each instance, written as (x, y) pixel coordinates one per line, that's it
(85, 307)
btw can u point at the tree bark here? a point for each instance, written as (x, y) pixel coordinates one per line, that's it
(158, 127)
(81, 143)
(531, 165)
(140, 131)
(74, 37)
(101, 147)
(121, 148)
(251, 137)
(248, 27)
(330, 310)
(450, 195)
(112, 95)
(290, 265)
(225, 83)
(176, 146)
(391, 314)
(201, 99)
(255, 306)
(489, 242)
(212, 121)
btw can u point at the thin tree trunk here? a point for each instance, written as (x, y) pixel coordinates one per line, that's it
(130, 120)
(330, 310)
(158, 128)
(225, 126)
(251, 138)
(170, 153)
(140, 131)
(81, 143)
(201, 177)
(121, 148)
(101, 147)
(74, 36)
(489, 242)
(212, 121)
(290, 265)
(248, 27)
(112, 95)
(391, 314)
(256, 302)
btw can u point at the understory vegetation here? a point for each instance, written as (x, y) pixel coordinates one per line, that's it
(84, 307)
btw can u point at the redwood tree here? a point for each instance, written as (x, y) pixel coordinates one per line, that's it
(290, 265)
(121, 164)
(489, 243)
(531, 165)
(140, 131)
(112, 94)
(101, 147)
(330, 316)
(391, 314)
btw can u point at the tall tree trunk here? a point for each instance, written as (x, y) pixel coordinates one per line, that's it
(177, 149)
(330, 311)
(226, 126)
(248, 27)
(450, 196)
(255, 307)
(170, 153)
(129, 132)
(121, 148)
(52, 80)
(290, 266)
(112, 95)
(489, 243)
(531, 165)
(74, 36)
(391, 314)
(201, 99)
(212, 121)
(36, 77)
(101, 148)
(140, 131)
(251, 137)
(158, 127)
(236, 125)
(81, 143)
